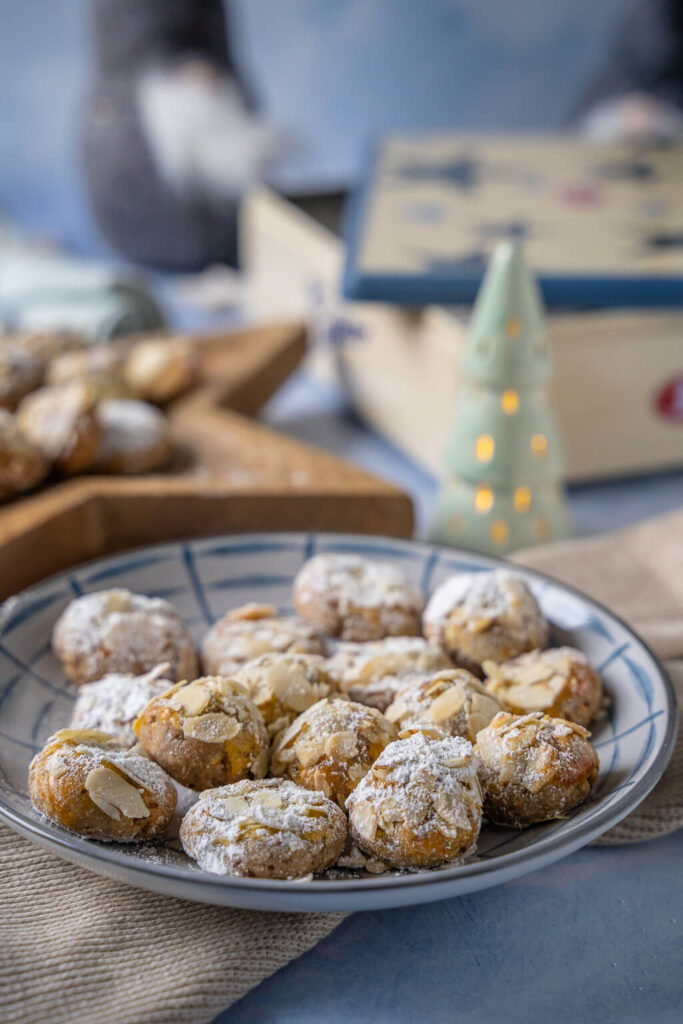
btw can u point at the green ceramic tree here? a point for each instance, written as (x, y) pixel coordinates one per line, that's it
(503, 488)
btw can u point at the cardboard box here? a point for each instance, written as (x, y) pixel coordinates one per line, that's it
(618, 375)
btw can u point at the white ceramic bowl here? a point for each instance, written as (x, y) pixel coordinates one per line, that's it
(203, 579)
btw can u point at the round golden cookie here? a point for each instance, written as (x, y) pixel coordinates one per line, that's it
(20, 373)
(265, 829)
(99, 367)
(331, 746)
(374, 673)
(484, 616)
(113, 703)
(559, 682)
(453, 701)
(135, 437)
(22, 466)
(159, 369)
(206, 733)
(534, 767)
(283, 685)
(252, 630)
(91, 784)
(62, 422)
(420, 805)
(355, 598)
(117, 631)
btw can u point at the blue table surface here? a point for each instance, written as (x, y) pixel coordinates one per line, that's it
(597, 937)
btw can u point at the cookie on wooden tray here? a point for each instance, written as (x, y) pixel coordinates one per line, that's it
(420, 805)
(113, 703)
(254, 629)
(62, 422)
(485, 616)
(159, 369)
(534, 767)
(98, 366)
(265, 829)
(331, 746)
(22, 465)
(135, 437)
(355, 598)
(283, 685)
(205, 733)
(118, 631)
(375, 672)
(560, 682)
(453, 701)
(91, 784)
(20, 373)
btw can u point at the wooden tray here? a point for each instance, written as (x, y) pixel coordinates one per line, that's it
(231, 474)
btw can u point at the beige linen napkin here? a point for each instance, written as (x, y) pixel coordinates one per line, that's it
(79, 949)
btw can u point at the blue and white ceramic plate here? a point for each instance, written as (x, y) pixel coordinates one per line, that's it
(203, 579)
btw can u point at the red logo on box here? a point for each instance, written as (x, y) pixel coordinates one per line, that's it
(669, 399)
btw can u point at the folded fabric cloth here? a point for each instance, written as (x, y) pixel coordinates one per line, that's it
(78, 948)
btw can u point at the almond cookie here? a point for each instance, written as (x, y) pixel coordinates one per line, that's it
(453, 701)
(331, 746)
(484, 616)
(265, 829)
(135, 437)
(100, 367)
(88, 782)
(252, 630)
(20, 373)
(374, 673)
(205, 733)
(534, 767)
(117, 631)
(112, 704)
(283, 685)
(62, 422)
(159, 369)
(420, 805)
(560, 682)
(22, 466)
(355, 598)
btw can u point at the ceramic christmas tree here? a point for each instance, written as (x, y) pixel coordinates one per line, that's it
(503, 488)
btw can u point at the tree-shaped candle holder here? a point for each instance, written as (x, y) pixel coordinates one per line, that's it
(503, 488)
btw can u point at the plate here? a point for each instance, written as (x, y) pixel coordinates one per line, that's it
(203, 579)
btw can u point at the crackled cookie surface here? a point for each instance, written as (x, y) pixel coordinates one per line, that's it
(265, 829)
(135, 437)
(453, 701)
(22, 465)
(118, 631)
(205, 733)
(252, 630)
(560, 682)
(420, 805)
(91, 784)
(356, 598)
(534, 767)
(283, 685)
(113, 703)
(485, 616)
(61, 421)
(331, 746)
(374, 673)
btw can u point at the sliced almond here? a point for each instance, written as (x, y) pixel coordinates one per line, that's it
(235, 804)
(342, 745)
(267, 798)
(56, 767)
(251, 611)
(191, 699)
(87, 737)
(364, 820)
(114, 795)
(448, 704)
(309, 751)
(212, 728)
(228, 687)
